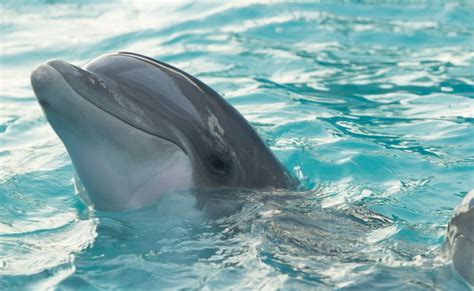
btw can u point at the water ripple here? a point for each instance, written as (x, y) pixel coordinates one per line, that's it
(370, 104)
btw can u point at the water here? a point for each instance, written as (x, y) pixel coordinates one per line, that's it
(369, 105)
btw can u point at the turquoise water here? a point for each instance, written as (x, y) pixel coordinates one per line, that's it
(371, 106)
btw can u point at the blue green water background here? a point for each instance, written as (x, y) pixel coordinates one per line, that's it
(370, 105)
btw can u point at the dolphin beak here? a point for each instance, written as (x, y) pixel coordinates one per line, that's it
(65, 69)
(47, 78)
(43, 79)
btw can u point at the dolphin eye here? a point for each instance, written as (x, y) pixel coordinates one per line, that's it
(219, 165)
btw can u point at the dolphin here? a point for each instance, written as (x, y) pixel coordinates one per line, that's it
(136, 128)
(459, 244)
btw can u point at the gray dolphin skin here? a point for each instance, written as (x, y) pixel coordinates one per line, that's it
(136, 128)
(459, 243)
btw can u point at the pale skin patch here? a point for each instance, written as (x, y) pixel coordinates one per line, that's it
(214, 126)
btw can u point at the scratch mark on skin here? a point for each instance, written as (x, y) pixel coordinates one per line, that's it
(214, 127)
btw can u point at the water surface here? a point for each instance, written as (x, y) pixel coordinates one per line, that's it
(371, 106)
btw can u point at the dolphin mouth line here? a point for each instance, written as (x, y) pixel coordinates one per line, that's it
(114, 115)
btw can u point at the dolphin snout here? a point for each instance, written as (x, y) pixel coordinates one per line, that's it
(65, 68)
(42, 80)
(46, 80)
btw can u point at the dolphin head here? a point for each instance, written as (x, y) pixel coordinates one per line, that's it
(136, 128)
(459, 244)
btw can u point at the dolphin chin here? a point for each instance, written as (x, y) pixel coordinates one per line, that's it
(136, 128)
(459, 245)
